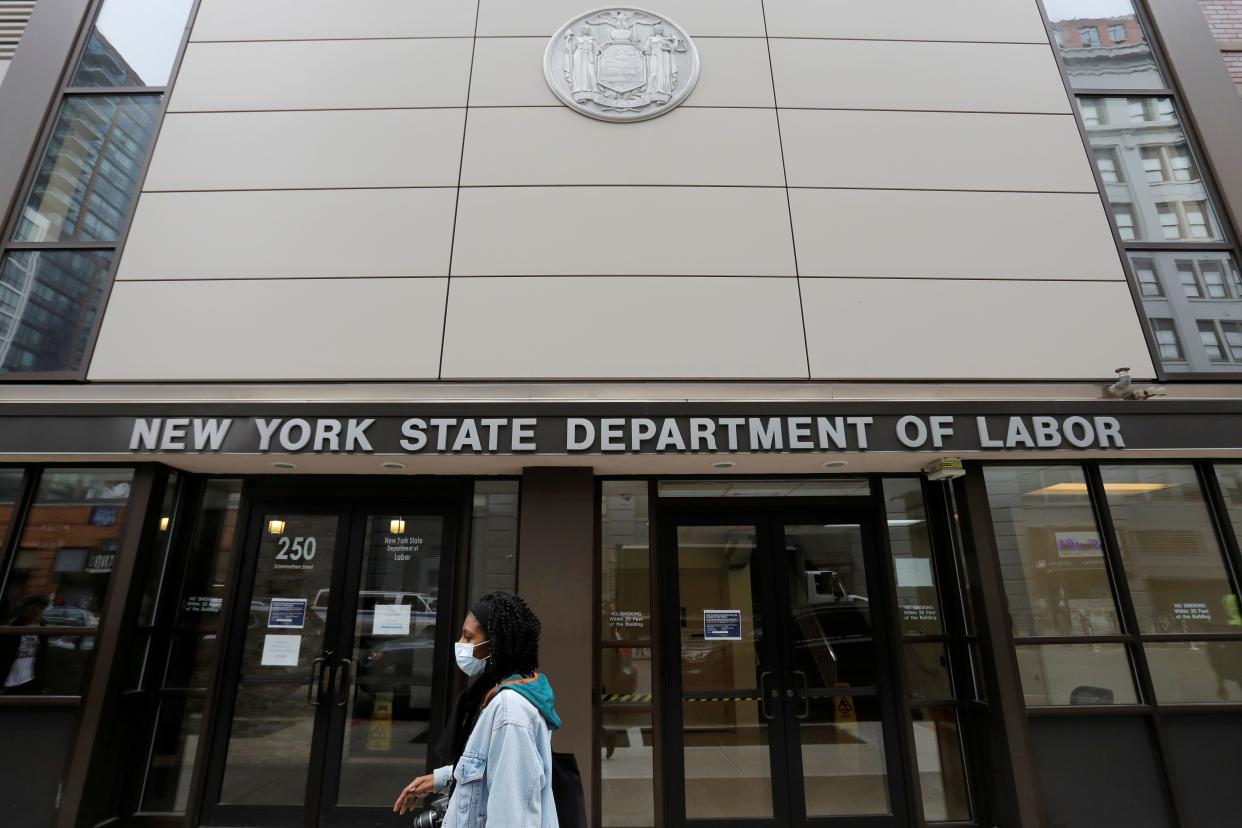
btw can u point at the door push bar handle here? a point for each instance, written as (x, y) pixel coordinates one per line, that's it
(315, 688)
(805, 712)
(763, 695)
(347, 678)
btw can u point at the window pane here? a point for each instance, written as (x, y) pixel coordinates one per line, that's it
(167, 785)
(90, 172)
(10, 490)
(1052, 559)
(1211, 279)
(1198, 671)
(155, 585)
(627, 793)
(1145, 136)
(64, 559)
(48, 303)
(1074, 674)
(942, 771)
(493, 537)
(927, 671)
(1173, 562)
(1229, 475)
(210, 561)
(625, 675)
(38, 665)
(626, 575)
(134, 43)
(912, 557)
(1122, 61)
(1211, 344)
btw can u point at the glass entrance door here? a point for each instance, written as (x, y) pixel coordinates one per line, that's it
(787, 713)
(327, 708)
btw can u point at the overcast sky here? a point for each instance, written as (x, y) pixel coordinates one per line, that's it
(147, 33)
(1069, 9)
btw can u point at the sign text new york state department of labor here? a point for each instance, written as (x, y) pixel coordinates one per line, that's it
(641, 435)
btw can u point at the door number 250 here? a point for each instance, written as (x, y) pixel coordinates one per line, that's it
(297, 549)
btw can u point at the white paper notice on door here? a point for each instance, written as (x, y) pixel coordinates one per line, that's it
(913, 572)
(391, 619)
(281, 650)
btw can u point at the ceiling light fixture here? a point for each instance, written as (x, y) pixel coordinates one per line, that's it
(1080, 489)
(282, 464)
(836, 464)
(723, 464)
(393, 465)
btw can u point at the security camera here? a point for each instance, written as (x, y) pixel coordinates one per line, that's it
(1125, 389)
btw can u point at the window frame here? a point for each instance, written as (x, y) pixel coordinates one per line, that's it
(1149, 709)
(8, 227)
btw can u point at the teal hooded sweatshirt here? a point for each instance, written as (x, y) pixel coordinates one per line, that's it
(536, 690)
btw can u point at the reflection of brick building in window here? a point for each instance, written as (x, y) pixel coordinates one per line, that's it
(1224, 18)
(66, 556)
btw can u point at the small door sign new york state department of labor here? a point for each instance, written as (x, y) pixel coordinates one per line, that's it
(621, 64)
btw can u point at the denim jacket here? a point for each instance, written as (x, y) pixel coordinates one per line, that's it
(505, 772)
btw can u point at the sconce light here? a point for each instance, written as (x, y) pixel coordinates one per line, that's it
(164, 521)
(276, 527)
(396, 526)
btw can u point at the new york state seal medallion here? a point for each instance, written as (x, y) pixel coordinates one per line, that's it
(621, 64)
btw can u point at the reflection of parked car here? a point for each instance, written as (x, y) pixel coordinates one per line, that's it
(69, 617)
(403, 666)
(422, 609)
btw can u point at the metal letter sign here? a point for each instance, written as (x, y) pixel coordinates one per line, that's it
(621, 64)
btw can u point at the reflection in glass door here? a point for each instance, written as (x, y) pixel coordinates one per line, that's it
(281, 679)
(787, 714)
(392, 653)
(332, 710)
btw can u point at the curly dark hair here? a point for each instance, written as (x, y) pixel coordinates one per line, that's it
(513, 630)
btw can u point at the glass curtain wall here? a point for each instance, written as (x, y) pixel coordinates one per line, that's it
(934, 696)
(1122, 588)
(1182, 254)
(626, 667)
(57, 259)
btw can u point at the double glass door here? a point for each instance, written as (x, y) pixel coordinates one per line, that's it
(777, 649)
(327, 704)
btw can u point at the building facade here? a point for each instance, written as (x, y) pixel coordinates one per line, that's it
(866, 429)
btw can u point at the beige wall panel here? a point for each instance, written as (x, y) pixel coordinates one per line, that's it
(934, 150)
(4, 67)
(544, 145)
(1011, 330)
(624, 328)
(332, 19)
(980, 77)
(700, 18)
(508, 71)
(1004, 21)
(896, 233)
(292, 150)
(622, 231)
(317, 233)
(323, 74)
(327, 329)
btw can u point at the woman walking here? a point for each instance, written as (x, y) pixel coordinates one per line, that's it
(498, 740)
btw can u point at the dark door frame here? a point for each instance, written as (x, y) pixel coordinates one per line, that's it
(335, 678)
(770, 516)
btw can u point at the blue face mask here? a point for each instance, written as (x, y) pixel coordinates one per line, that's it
(466, 661)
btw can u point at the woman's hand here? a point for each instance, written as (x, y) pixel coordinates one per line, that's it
(421, 786)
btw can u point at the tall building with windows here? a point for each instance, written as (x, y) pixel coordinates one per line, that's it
(853, 389)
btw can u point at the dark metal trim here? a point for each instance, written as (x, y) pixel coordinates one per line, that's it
(1020, 801)
(111, 656)
(1130, 622)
